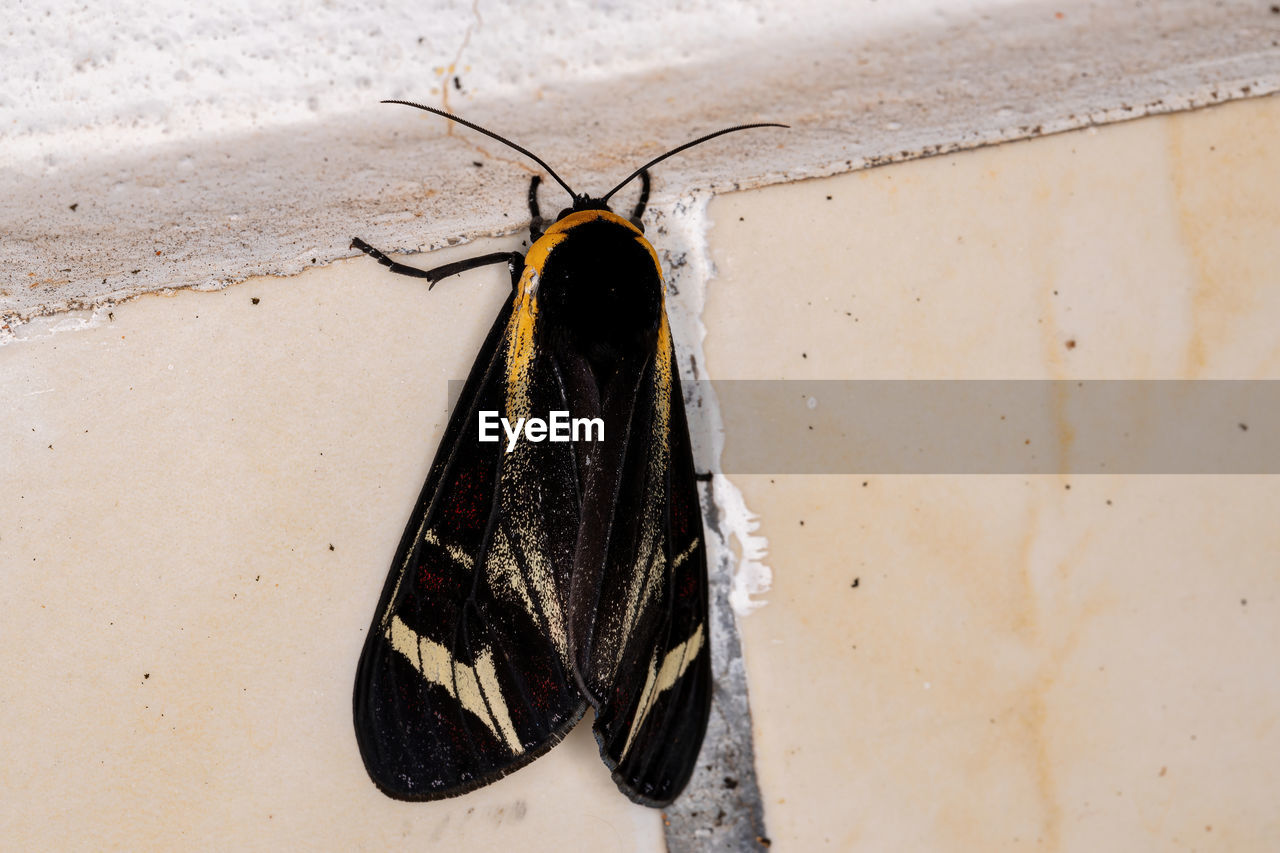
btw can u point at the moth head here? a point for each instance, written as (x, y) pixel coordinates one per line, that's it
(582, 201)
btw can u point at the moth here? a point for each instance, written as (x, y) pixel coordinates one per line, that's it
(540, 578)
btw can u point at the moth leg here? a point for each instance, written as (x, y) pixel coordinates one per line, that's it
(643, 202)
(514, 260)
(535, 223)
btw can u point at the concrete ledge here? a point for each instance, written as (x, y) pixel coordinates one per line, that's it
(263, 176)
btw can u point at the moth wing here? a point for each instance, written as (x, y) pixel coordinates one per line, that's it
(647, 661)
(465, 676)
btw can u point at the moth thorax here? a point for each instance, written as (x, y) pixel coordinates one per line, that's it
(602, 293)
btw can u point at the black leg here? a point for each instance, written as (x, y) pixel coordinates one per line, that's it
(514, 260)
(644, 200)
(535, 223)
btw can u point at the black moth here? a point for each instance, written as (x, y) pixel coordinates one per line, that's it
(534, 583)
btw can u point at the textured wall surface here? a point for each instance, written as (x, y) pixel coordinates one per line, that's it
(147, 148)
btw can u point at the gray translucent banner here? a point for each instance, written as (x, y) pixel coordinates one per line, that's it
(992, 427)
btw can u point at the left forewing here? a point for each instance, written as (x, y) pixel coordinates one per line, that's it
(465, 675)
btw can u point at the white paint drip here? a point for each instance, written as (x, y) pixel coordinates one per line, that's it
(682, 242)
(47, 327)
(752, 576)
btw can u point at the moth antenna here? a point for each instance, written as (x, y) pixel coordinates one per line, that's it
(698, 141)
(489, 133)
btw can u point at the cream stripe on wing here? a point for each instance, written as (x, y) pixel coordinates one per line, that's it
(475, 688)
(500, 565)
(685, 554)
(514, 561)
(650, 567)
(461, 557)
(674, 665)
(488, 677)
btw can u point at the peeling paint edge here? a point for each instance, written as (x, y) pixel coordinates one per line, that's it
(684, 228)
(722, 808)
